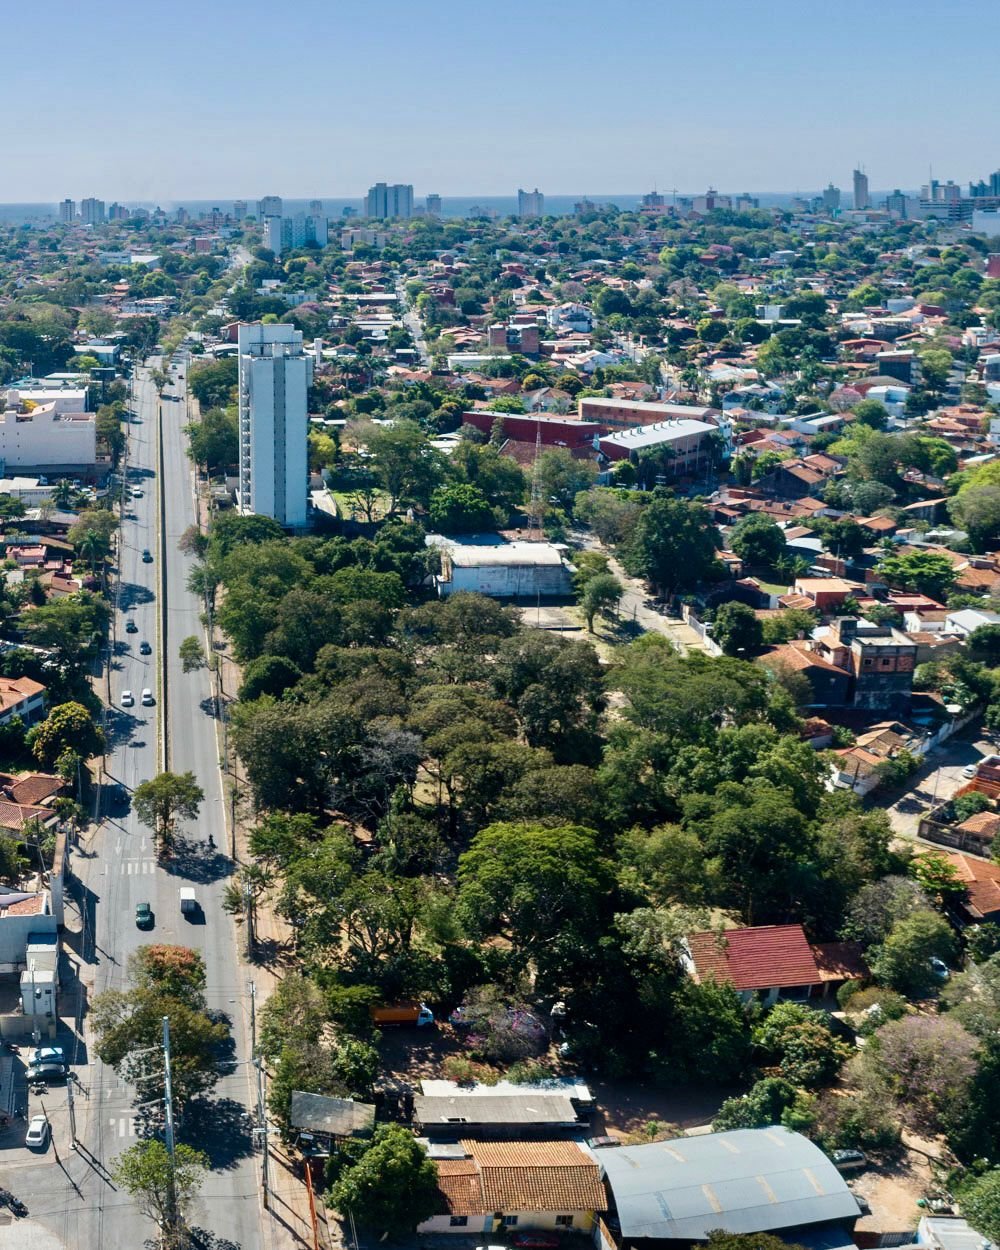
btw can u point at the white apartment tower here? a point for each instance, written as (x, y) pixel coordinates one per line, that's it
(67, 211)
(269, 206)
(862, 199)
(274, 379)
(530, 203)
(386, 200)
(92, 211)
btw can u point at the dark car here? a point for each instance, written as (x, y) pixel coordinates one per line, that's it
(49, 1071)
(147, 556)
(143, 916)
(849, 1160)
(536, 1240)
(145, 648)
(131, 627)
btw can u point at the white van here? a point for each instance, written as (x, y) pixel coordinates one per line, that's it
(189, 903)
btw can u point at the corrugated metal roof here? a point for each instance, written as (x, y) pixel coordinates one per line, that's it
(504, 1109)
(746, 1181)
(343, 1117)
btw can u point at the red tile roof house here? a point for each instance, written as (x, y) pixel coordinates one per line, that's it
(23, 697)
(772, 961)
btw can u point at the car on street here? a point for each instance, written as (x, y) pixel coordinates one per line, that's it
(970, 770)
(131, 627)
(137, 492)
(849, 1160)
(535, 1239)
(147, 698)
(147, 556)
(37, 1136)
(46, 1072)
(145, 648)
(143, 916)
(128, 698)
(47, 1054)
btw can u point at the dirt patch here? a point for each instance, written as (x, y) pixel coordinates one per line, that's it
(624, 1109)
(892, 1191)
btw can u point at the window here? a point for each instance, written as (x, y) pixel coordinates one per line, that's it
(459, 1221)
(509, 1221)
(564, 1221)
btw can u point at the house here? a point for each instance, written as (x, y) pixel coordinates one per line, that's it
(673, 1193)
(501, 570)
(21, 697)
(320, 1119)
(448, 1116)
(967, 620)
(981, 879)
(829, 683)
(494, 1187)
(770, 960)
(880, 659)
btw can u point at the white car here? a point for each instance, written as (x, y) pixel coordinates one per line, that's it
(136, 492)
(128, 698)
(970, 770)
(37, 1136)
(147, 698)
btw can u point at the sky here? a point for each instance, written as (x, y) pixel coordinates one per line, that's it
(218, 99)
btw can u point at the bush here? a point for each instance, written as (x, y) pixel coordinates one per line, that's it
(860, 1123)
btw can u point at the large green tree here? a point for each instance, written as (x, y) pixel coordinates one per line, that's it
(392, 1187)
(673, 545)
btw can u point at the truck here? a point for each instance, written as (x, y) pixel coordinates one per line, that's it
(189, 903)
(390, 1015)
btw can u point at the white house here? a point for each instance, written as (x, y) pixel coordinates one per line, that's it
(967, 620)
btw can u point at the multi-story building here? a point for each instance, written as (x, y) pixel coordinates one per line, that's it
(831, 198)
(118, 212)
(281, 233)
(530, 203)
(47, 439)
(709, 201)
(434, 206)
(653, 199)
(386, 200)
(315, 208)
(274, 379)
(67, 211)
(92, 211)
(269, 206)
(879, 658)
(239, 210)
(862, 198)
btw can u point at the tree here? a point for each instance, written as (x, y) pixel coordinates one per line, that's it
(192, 654)
(802, 1042)
(871, 412)
(214, 440)
(600, 594)
(984, 645)
(72, 627)
(269, 674)
(460, 508)
(561, 477)
(980, 1199)
(68, 727)
(165, 799)
(392, 1187)
(764, 1104)
(213, 384)
(903, 961)
(757, 540)
(927, 572)
(673, 544)
(610, 513)
(976, 508)
(177, 971)
(402, 459)
(163, 1186)
(293, 1016)
(737, 630)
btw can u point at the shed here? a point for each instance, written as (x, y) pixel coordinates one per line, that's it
(502, 1115)
(331, 1117)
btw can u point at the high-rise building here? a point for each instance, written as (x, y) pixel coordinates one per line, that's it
(530, 203)
(274, 379)
(182, 216)
(92, 211)
(386, 200)
(239, 209)
(653, 199)
(831, 198)
(434, 206)
(67, 211)
(281, 233)
(118, 212)
(269, 206)
(897, 203)
(315, 208)
(862, 199)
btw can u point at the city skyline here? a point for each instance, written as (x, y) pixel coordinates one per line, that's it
(779, 117)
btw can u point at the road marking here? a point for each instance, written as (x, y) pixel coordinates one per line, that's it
(137, 867)
(123, 1125)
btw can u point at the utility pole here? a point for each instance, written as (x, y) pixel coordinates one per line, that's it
(72, 1113)
(262, 1130)
(248, 905)
(253, 1020)
(168, 1105)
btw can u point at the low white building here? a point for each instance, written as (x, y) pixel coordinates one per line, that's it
(967, 620)
(47, 439)
(516, 570)
(65, 398)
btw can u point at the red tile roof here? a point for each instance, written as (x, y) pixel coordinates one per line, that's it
(755, 959)
(982, 881)
(520, 1176)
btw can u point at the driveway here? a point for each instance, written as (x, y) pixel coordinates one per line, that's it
(936, 782)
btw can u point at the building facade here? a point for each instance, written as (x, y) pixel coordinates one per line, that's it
(862, 198)
(92, 211)
(434, 206)
(274, 379)
(387, 200)
(269, 206)
(67, 212)
(282, 233)
(530, 203)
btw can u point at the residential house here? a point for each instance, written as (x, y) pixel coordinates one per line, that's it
(880, 659)
(771, 961)
(981, 879)
(21, 697)
(486, 1188)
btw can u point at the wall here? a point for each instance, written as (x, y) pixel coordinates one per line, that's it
(508, 581)
(14, 933)
(42, 439)
(583, 1221)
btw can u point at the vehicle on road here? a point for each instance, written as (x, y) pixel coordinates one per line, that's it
(145, 648)
(970, 770)
(401, 1013)
(47, 1054)
(37, 1136)
(143, 916)
(49, 1071)
(147, 556)
(128, 698)
(147, 698)
(131, 627)
(849, 1160)
(7, 1199)
(137, 492)
(189, 903)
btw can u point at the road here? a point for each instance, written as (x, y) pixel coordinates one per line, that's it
(69, 1193)
(412, 323)
(937, 781)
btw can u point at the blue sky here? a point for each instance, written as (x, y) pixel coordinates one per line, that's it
(144, 99)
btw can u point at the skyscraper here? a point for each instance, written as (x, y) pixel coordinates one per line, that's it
(315, 208)
(274, 379)
(862, 199)
(530, 203)
(831, 198)
(434, 206)
(269, 206)
(92, 211)
(385, 200)
(239, 210)
(281, 233)
(67, 211)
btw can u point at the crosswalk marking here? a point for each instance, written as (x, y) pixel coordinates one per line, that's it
(123, 1125)
(137, 867)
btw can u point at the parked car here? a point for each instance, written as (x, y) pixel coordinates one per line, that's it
(49, 1071)
(145, 648)
(147, 698)
(147, 556)
(128, 698)
(970, 770)
(137, 492)
(143, 916)
(131, 627)
(37, 1136)
(47, 1054)
(849, 1160)
(939, 968)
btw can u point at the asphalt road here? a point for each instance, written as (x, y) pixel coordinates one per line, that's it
(69, 1194)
